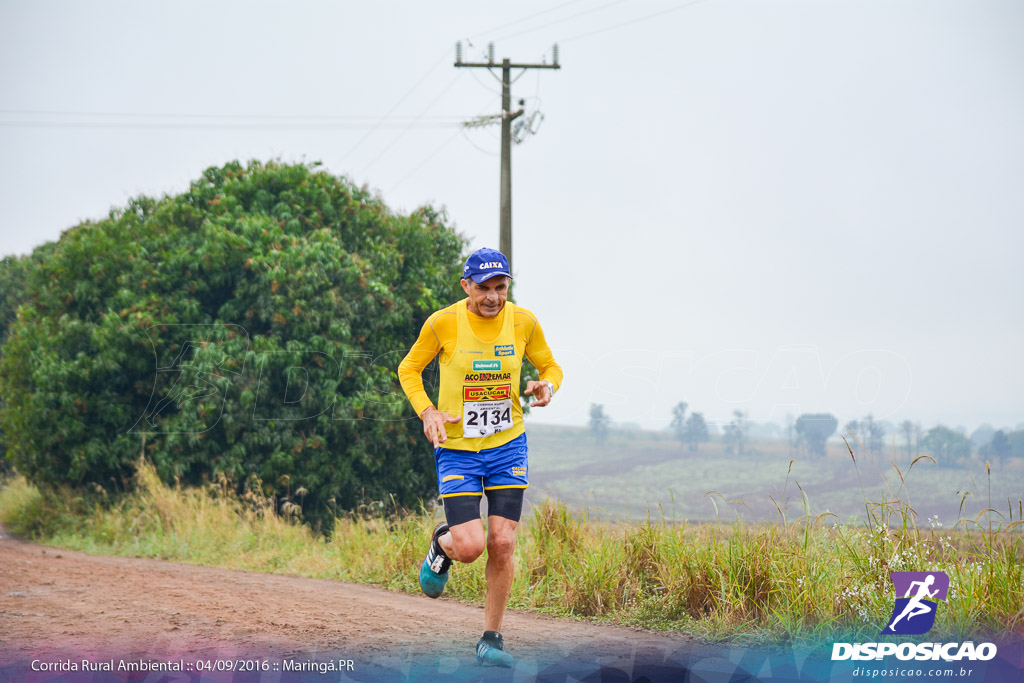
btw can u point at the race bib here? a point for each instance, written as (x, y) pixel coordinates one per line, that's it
(483, 418)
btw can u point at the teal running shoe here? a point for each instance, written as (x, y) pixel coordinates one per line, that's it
(434, 570)
(490, 651)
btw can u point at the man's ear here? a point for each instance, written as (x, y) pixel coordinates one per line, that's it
(465, 285)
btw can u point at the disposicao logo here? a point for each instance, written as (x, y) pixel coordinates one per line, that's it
(914, 613)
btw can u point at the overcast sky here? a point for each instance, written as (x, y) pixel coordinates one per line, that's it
(772, 206)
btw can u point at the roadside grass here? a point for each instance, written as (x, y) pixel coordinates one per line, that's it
(806, 579)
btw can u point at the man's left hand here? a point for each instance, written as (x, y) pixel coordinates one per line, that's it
(540, 391)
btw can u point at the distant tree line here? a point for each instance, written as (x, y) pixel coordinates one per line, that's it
(810, 432)
(691, 431)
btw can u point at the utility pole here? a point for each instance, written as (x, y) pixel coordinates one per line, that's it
(507, 116)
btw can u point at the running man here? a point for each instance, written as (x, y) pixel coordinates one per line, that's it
(916, 605)
(477, 429)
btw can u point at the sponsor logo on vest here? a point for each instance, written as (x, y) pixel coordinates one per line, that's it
(487, 376)
(505, 350)
(494, 392)
(487, 365)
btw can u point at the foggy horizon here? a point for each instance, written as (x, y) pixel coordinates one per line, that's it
(779, 208)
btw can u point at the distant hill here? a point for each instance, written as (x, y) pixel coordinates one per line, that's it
(633, 474)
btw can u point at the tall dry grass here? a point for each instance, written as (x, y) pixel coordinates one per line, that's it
(805, 579)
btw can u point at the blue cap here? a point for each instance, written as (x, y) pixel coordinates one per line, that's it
(483, 264)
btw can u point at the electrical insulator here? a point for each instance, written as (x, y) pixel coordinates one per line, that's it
(490, 53)
(458, 52)
(554, 53)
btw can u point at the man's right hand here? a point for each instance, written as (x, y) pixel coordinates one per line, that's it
(433, 424)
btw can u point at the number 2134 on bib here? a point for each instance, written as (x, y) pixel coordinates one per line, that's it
(483, 418)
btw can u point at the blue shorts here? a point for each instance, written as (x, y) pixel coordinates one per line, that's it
(466, 473)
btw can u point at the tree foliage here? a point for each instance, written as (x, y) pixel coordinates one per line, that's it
(598, 421)
(691, 431)
(735, 436)
(908, 429)
(814, 429)
(946, 444)
(696, 431)
(997, 448)
(983, 435)
(1016, 441)
(870, 433)
(250, 326)
(12, 287)
(678, 424)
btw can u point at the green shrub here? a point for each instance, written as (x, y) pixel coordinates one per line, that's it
(250, 327)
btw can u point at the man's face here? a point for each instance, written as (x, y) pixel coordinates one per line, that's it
(487, 298)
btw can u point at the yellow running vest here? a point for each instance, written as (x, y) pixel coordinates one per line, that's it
(480, 382)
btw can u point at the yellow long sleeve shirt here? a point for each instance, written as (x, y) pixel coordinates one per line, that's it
(438, 335)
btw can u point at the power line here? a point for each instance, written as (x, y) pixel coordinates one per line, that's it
(411, 124)
(634, 21)
(478, 147)
(157, 115)
(562, 20)
(425, 160)
(429, 71)
(225, 126)
(507, 116)
(485, 86)
(435, 152)
(527, 18)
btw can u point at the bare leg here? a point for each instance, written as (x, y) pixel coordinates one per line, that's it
(501, 542)
(464, 542)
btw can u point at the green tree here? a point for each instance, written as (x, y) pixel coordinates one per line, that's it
(998, 448)
(790, 434)
(696, 431)
(814, 429)
(678, 424)
(907, 428)
(598, 421)
(1016, 441)
(946, 444)
(869, 432)
(735, 436)
(13, 273)
(874, 433)
(251, 326)
(982, 436)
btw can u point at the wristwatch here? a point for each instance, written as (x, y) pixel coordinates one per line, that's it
(551, 387)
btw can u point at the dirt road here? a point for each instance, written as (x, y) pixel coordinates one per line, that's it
(57, 603)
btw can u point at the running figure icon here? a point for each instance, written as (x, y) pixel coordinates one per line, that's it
(916, 606)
